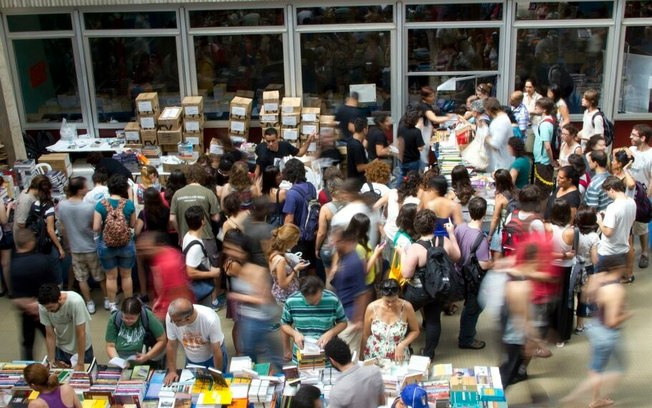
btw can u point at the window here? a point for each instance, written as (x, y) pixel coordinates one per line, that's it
(226, 64)
(454, 12)
(48, 81)
(580, 10)
(123, 21)
(236, 18)
(19, 23)
(573, 58)
(637, 71)
(635, 9)
(345, 15)
(452, 90)
(125, 67)
(331, 62)
(453, 49)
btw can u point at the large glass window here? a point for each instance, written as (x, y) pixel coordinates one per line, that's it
(572, 58)
(19, 23)
(125, 67)
(635, 9)
(452, 90)
(48, 81)
(137, 20)
(345, 15)
(636, 88)
(227, 64)
(236, 18)
(564, 10)
(453, 49)
(454, 12)
(332, 62)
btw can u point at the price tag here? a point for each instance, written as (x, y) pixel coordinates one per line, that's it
(271, 107)
(309, 117)
(290, 134)
(289, 120)
(192, 125)
(147, 122)
(237, 126)
(238, 111)
(191, 110)
(145, 106)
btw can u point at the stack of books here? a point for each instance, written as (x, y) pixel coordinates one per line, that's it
(312, 356)
(59, 182)
(449, 157)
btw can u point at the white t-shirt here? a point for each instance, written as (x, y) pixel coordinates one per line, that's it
(380, 189)
(591, 127)
(641, 169)
(500, 131)
(343, 218)
(393, 208)
(98, 193)
(585, 245)
(195, 255)
(619, 216)
(197, 336)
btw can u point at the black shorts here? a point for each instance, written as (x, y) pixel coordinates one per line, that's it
(7, 241)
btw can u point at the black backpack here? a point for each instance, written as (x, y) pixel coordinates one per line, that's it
(371, 196)
(643, 206)
(150, 340)
(608, 127)
(35, 146)
(201, 266)
(440, 278)
(311, 214)
(472, 272)
(37, 222)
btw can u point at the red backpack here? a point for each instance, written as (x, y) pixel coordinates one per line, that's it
(515, 232)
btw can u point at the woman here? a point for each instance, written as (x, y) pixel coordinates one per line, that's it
(483, 91)
(480, 120)
(133, 328)
(413, 267)
(578, 163)
(119, 259)
(622, 161)
(586, 222)
(431, 116)
(563, 115)
(324, 249)
(405, 193)
(50, 393)
(462, 191)
(410, 143)
(231, 265)
(406, 234)
(446, 210)
(236, 216)
(377, 174)
(559, 226)
(7, 240)
(500, 130)
(520, 168)
(567, 182)
(569, 144)
(270, 189)
(506, 197)
(596, 142)
(148, 178)
(240, 183)
(390, 325)
(330, 173)
(176, 181)
(359, 225)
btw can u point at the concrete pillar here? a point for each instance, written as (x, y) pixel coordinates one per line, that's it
(10, 131)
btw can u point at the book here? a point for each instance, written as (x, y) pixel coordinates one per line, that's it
(140, 372)
(121, 362)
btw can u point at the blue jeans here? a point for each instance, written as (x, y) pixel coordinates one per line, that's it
(408, 167)
(468, 320)
(605, 342)
(258, 334)
(61, 355)
(209, 362)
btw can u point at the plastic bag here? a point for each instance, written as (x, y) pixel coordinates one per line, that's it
(475, 153)
(491, 296)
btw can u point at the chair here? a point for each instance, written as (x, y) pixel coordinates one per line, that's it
(42, 168)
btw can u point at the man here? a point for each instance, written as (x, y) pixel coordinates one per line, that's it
(641, 170)
(28, 267)
(347, 114)
(544, 162)
(520, 111)
(200, 333)
(595, 195)
(314, 312)
(377, 143)
(26, 199)
(615, 225)
(202, 275)
(592, 124)
(357, 386)
(356, 154)
(350, 193)
(308, 396)
(196, 194)
(76, 215)
(271, 150)
(349, 284)
(466, 236)
(100, 191)
(67, 326)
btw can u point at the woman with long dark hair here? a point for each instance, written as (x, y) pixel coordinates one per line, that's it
(462, 191)
(567, 182)
(176, 181)
(505, 194)
(271, 189)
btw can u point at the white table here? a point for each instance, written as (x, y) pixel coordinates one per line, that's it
(86, 146)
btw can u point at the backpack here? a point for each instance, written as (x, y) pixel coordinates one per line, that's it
(201, 266)
(310, 224)
(116, 230)
(643, 207)
(515, 232)
(555, 141)
(512, 203)
(37, 222)
(150, 340)
(608, 127)
(371, 196)
(472, 272)
(275, 218)
(35, 146)
(440, 279)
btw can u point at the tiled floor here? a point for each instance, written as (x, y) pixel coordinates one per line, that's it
(555, 376)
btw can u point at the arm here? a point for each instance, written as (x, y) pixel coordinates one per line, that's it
(304, 146)
(80, 340)
(51, 342)
(381, 202)
(565, 115)
(366, 329)
(132, 220)
(453, 248)
(217, 355)
(548, 149)
(283, 278)
(173, 222)
(337, 329)
(410, 261)
(289, 218)
(297, 337)
(171, 357)
(412, 334)
(196, 274)
(97, 222)
(4, 218)
(495, 219)
(382, 151)
(514, 174)
(458, 218)
(53, 236)
(139, 227)
(371, 262)
(111, 351)
(321, 231)
(436, 119)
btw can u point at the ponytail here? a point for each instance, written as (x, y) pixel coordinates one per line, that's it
(53, 381)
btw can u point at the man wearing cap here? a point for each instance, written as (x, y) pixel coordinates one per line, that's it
(412, 396)
(357, 386)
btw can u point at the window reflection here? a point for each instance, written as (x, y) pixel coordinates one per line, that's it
(125, 67)
(230, 63)
(345, 15)
(42, 22)
(564, 10)
(119, 21)
(453, 49)
(454, 12)
(330, 62)
(236, 18)
(637, 70)
(635, 9)
(549, 55)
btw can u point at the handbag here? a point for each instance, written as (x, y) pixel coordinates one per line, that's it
(578, 276)
(475, 153)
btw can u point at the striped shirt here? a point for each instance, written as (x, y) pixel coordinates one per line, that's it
(313, 320)
(522, 117)
(595, 196)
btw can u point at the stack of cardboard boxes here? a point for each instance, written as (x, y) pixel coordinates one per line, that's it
(239, 119)
(193, 122)
(269, 113)
(310, 125)
(147, 110)
(291, 120)
(169, 130)
(58, 161)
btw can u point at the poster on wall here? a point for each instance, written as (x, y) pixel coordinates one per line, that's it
(37, 74)
(366, 92)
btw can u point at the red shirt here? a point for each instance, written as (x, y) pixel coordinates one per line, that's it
(542, 292)
(170, 280)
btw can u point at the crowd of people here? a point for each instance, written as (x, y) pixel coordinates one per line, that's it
(345, 267)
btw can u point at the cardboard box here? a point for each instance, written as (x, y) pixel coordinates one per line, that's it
(328, 120)
(194, 138)
(290, 120)
(310, 115)
(147, 103)
(147, 121)
(291, 105)
(193, 124)
(240, 108)
(216, 147)
(168, 137)
(290, 134)
(132, 132)
(239, 127)
(58, 161)
(309, 128)
(276, 87)
(269, 119)
(170, 118)
(149, 136)
(169, 148)
(271, 101)
(193, 106)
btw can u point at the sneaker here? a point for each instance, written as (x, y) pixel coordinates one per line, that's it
(113, 307)
(561, 344)
(107, 304)
(219, 302)
(579, 330)
(643, 262)
(90, 305)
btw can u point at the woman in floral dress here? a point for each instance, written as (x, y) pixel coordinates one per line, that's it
(390, 325)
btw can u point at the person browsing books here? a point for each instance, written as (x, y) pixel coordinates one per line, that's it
(51, 394)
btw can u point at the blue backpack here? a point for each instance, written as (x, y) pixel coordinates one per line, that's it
(310, 223)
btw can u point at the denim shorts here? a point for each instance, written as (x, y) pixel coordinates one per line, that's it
(605, 342)
(120, 257)
(607, 263)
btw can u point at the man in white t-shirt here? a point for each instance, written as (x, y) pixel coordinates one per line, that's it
(641, 171)
(351, 195)
(100, 191)
(199, 330)
(615, 224)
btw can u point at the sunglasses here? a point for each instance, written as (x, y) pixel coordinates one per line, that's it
(389, 290)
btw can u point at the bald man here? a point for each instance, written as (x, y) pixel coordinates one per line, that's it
(200, 332)
(520, 111)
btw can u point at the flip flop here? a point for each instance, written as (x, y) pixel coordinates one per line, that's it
(602, 402)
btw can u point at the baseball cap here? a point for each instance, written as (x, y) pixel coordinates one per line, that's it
(414, 396)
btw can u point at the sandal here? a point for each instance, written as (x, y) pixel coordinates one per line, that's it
(602, 402)
(451, 310)
(475, 345)
(543, 353)
(627, 280)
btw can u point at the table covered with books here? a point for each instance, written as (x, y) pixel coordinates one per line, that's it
(252, 385)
